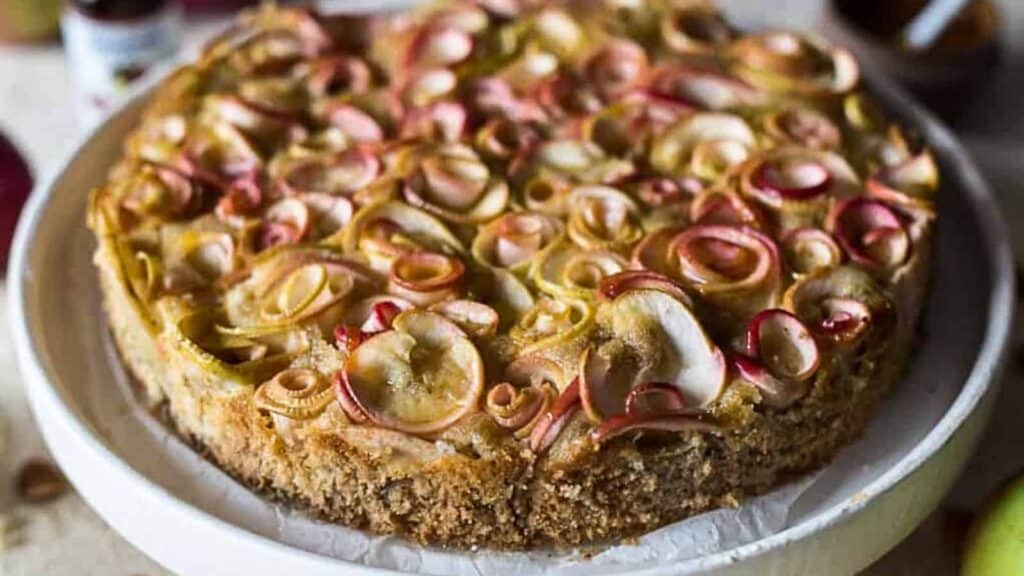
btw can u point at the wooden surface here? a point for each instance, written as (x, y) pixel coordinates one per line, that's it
(67, 538)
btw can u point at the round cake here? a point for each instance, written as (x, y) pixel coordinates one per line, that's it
(515, 274)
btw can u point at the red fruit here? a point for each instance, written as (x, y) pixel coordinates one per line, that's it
(15, 186)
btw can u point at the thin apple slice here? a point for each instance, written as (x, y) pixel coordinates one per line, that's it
(666, 343)
(624, 423)
(551, 423)
(477, 319)
(775, 392)
(612, 287)
(783, 344)
(420, 377)
(841, 305)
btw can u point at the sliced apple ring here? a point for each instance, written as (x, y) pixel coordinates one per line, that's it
(722, 205)
(910, 184)
(420, 377)
(615, 285)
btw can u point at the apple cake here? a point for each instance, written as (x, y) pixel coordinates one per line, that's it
(513, 273)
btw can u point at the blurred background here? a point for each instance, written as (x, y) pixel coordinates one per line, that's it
(63, 64)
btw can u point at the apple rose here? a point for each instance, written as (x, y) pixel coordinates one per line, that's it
(787, 63)
(797, 179)
(617, 68)
(295, 394)
(238, 363)
(737, 268)
(871, 233)
(265, 127)
(701, 88)
(382, 232)
(696, 29)
(530, 388)
(453, 183)
(781, 356)
(809, 249)
(565, 270)
(551, 324)
(625, 127)
(910, 184)
(583, 161)
(656, 339)
(221, 149)
(841, 306)
(805, 127)
(160, 191)
(289, 287)
(196, 259)
(419, 378)
(704, 145)
(425, 278)
(336, 75)
(603, 218)
(342, 174)
(514, 240)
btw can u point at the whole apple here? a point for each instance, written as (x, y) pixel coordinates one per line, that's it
(995, 546)
(29, 20)
(15, 185)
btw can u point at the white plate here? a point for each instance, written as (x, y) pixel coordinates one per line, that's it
(175, 507)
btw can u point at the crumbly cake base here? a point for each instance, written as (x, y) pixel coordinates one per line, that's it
(494, 492)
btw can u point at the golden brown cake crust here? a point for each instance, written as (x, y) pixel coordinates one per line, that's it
(350, 454)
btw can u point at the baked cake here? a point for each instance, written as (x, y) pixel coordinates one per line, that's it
(515, 274)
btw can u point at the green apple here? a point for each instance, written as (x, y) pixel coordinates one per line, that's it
(995, 546)
(29, 20)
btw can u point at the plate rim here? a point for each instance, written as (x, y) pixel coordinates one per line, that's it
(46, 397)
